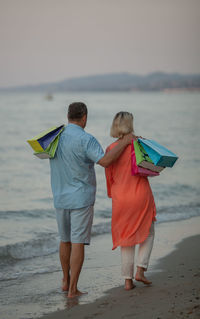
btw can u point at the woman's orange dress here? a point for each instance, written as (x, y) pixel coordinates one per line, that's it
(133, 207)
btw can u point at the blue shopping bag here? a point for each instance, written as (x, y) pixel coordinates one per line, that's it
(159, 154)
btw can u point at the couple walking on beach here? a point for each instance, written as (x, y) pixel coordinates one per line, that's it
(73, 185)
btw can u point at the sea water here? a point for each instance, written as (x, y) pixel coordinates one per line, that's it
(28, 231)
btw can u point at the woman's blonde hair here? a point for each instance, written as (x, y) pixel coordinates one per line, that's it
(122, 124)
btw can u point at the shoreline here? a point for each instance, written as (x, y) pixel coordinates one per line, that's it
(175, 292)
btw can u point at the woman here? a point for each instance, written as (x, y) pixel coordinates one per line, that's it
(133, 207)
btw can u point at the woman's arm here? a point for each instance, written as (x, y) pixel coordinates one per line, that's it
(113, 154)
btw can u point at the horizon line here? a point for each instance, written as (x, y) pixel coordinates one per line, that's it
(18, 86)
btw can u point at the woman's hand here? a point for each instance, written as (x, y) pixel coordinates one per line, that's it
(127, 139)
(141, 137)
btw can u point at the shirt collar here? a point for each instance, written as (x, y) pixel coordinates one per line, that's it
(72, 125)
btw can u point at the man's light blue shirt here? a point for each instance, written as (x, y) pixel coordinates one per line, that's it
(73, 179)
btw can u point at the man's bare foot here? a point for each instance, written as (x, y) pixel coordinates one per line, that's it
(143, 279)
(65, 285)
(129, 284)
(77, 293)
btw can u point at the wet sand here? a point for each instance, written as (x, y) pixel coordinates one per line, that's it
(174, 294)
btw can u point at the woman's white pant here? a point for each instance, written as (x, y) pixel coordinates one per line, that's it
(144, 252)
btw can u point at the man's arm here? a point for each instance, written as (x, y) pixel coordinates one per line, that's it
(113, 154)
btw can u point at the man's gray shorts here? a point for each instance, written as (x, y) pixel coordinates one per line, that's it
(74, 225)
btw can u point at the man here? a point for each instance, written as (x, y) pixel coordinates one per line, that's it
(73, 184)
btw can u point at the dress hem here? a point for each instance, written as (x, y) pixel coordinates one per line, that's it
(137, 242)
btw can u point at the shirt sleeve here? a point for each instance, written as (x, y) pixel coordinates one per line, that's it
(94, 150)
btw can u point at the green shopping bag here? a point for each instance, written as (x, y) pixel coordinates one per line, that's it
(50, 150)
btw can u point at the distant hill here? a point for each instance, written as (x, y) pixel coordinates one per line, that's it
(157, 81)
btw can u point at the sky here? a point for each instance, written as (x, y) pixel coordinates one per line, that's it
(51, 40)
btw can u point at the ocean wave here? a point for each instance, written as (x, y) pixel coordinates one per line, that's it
(192, 208)
(174, 191)
(44, 213)
(10, 275)
(101, 228)
(104, 213)
(44, 244)
(175, 188)
(179, 212)
(33, 213)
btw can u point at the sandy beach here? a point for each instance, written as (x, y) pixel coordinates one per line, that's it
(175, 292)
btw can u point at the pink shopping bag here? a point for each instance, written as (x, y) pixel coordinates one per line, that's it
(137, 170)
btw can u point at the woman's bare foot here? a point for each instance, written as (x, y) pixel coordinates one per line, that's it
(77, 293)
(143, 279)
(129, 284)
(139, 276)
